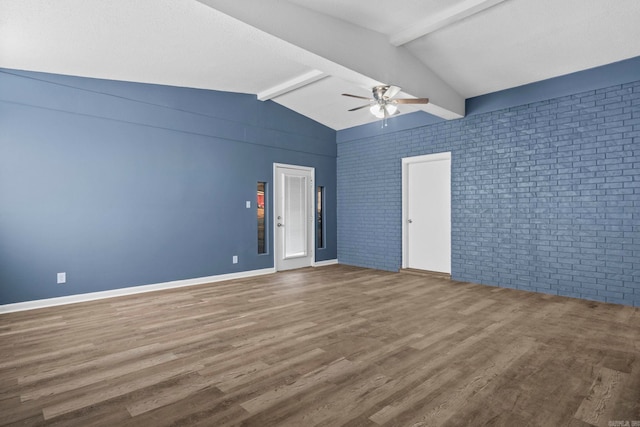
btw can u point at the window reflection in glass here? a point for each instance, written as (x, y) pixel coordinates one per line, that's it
(260, 203)
(320, 217)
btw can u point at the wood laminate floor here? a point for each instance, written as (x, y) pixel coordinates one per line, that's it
(328, 346)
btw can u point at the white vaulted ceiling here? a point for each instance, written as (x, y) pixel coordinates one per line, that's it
(304, 53)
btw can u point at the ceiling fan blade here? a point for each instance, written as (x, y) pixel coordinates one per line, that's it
(355, 96)
(391, 91)
(359, 108)
(412, 101)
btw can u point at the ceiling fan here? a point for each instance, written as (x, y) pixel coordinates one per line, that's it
(382, 105)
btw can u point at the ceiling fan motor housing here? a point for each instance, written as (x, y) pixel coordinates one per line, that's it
(379, 91)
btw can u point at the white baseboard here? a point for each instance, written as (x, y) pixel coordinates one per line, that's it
(72, 299)
(327, 262)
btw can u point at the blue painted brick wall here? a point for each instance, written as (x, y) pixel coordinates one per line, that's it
(545, 196)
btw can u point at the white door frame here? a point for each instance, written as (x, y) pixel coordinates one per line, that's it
(310, 203)
(406, 161)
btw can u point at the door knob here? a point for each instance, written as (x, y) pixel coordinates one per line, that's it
(280, 225)
(409, 221)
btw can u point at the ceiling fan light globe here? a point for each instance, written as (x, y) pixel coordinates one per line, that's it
(391, 109)
(377, 110)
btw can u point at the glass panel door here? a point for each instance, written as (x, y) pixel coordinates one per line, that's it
(295, 231)
(293, 219)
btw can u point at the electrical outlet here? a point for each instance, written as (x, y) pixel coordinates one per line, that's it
(248, 204)
(235, 259)
(62, 278)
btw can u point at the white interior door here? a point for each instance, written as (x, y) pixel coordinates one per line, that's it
(294, 216)
(427, 212)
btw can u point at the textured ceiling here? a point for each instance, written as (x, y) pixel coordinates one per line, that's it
(304, 53)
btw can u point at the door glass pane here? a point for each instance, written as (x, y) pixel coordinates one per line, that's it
(320, 217)
(295, 236)
(260, 203)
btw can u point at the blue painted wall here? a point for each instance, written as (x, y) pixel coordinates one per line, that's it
(545, 193)
(123, 184)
